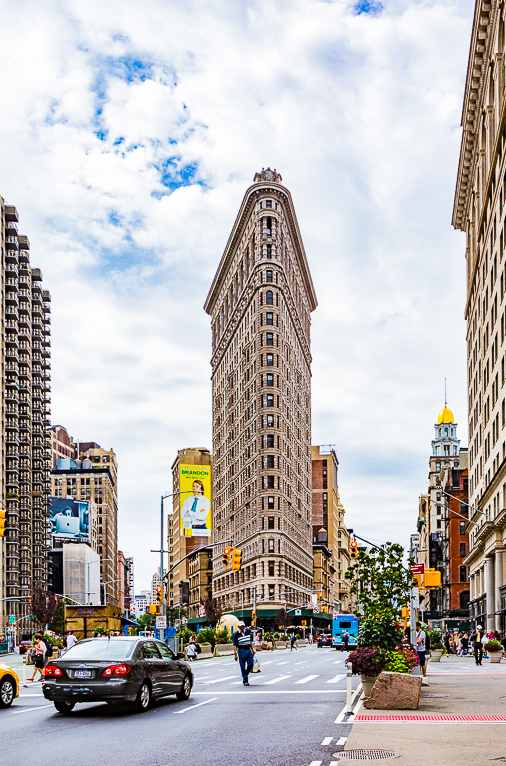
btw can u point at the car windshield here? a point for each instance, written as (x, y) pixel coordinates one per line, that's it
(100, 649)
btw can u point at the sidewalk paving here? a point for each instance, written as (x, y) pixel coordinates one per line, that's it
(466, 727)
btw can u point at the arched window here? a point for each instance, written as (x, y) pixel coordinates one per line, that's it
(440, 431)
(268, 298)
(446, 432)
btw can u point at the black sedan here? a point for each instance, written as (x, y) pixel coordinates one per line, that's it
(118, 669)
(325, 639)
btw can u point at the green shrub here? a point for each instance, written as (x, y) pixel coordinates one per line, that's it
(400, 660)
(207, 635)
(493, 646)
(379, 630)
(435, 638)
(223, 636)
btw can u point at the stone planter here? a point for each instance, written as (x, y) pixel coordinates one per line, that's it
(367, 684)
(221, 650)
(207, 651)
(495, 656)
(435, 655)
(301, 642)
(280, 644)
(395, 691)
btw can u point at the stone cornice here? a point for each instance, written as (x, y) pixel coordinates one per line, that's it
(485, 16)
(244, 215)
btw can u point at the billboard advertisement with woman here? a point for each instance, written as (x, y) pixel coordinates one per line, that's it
(195, 500)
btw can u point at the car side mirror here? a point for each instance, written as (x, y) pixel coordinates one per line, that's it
(180, 655)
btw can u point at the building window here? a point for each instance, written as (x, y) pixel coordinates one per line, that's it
(268, 298)
(438, 510)
(270, 482)
(268, 276)
(462, 527)
(270, 400)
(271, 546)
(270, 380)
(268, 203)
(462, 574)
(270, 360)
(270, 505)
(270, 461)
(464, 599)
(269, 339)
(270, 421)
(269, 318)
(270, 522)
(269, 251)
(438, 465)
(271, 568)
(270, 440)
(325, 496)
(439, 523)
(271, 591)
(269, 227)
(462, 549)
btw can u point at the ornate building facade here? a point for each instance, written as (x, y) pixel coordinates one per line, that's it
(260, 303)
(479, 212)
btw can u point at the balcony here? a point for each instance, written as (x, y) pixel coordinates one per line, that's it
(24, 242)
(11, 243)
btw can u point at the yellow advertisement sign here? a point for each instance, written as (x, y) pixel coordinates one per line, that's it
(195, 500)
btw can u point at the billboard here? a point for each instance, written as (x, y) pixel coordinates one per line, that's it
(70, 519)
(195, 500)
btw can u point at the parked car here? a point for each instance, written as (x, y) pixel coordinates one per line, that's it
(9, 685)
(117, 669)
(25, 646)
(325, 639)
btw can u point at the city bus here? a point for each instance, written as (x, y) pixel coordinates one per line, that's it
(341, 623)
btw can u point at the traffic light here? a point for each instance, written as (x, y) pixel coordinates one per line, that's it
(320, 596)
(236, 559)
(353, 549)
(253, 617)
(432, 578)
(226, 557)
(158, 594)
(2, 523)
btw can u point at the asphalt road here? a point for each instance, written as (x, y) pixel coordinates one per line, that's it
(286, 717)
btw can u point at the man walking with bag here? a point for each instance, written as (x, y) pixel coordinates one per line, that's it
(244, 651)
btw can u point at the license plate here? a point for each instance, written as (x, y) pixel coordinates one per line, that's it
(82, 674)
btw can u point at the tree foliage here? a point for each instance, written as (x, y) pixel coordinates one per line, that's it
(43, 605)
(283, 619)
(380, 581)
(213, 610)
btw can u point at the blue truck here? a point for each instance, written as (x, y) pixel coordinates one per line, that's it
(344, 623)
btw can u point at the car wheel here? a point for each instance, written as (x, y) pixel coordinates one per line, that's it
(64, 707)
(143, 700)
(7, 692)
(186, 689)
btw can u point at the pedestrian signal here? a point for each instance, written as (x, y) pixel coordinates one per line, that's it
(236, 559)
(2, 523)
(353, 549)
(226, 557)
(320, 596)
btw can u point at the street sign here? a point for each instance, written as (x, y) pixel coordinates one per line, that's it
(298, 612)
(161, 622)
(12, 619)
(418, 569)
(316, 609)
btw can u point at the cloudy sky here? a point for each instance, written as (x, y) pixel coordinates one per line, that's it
(130, 133)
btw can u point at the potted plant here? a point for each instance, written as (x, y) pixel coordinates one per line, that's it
(494, 649)
(436, 644)
(367, 662)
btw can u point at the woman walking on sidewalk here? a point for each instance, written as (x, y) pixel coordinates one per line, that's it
(39, 659)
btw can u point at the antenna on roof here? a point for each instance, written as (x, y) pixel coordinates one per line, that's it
(445, 392)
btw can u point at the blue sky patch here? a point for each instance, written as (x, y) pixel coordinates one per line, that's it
(370, 7)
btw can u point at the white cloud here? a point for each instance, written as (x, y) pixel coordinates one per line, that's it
(108, 103)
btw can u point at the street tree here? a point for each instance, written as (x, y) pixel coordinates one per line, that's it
(213, 610)
(43, 605)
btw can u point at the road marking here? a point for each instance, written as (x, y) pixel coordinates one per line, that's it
(280, 691)
(31, 709)
(315, 763)
(306, 679)
(342, 740)
(334, 763)
(31, 695)
(178, 712)
(276, 680)
(337, 662)
(341, 715)
(217, 680)
(283, 663)
(327, 740)
(334, 680)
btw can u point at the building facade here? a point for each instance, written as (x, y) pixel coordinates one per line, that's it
(126, 584)
(455, 580)
(91, 474)
(25, 454)
(180, 544)
(329, 530)
(201, 582)
(260, 305)
(479, 212)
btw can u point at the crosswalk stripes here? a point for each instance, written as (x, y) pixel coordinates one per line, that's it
(276, 680)
(335, 679)
(306, 679)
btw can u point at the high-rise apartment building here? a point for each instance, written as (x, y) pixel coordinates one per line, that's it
(260, 305)
(91, 473)
(126, 582)
(25, 452)
(329, 532)
(192, 466)
(479, 212)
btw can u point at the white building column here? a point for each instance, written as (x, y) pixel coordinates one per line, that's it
(490, 594)
(498, 583)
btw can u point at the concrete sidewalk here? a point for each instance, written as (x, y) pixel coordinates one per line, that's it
(476, 693)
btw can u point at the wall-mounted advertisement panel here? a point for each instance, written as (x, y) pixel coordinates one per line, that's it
(195, 500)
(70, 519)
